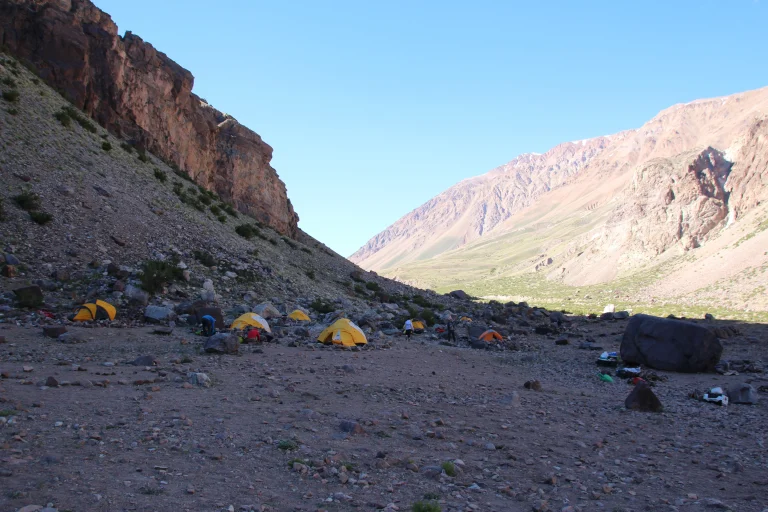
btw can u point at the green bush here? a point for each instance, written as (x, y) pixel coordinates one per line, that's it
(421, 301)
(290, 243)
(428, 317)
(160, 175)
(229, 209)
(63, 118)
(310, 274)
(205, 258)
(449, 468)
(13, 111)
(156, 274)
(273, 241)
(143, 156)
(11, 96)
(106, 146)
(10, 82)
(247, 231)
(425, 506)
(360, 290)
(373, 286)
(2, 210)
(306, 250)
(288, 445)
(322, 306)
(80, 118)
(181, 174)
(215, 210)
(222, 218)
(127, 147)
(41, 218)
(27, 200)
(204, 199)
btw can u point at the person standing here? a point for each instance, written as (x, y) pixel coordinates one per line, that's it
(408, 328)
(451, 328)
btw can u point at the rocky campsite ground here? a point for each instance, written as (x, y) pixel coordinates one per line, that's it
(301, 426)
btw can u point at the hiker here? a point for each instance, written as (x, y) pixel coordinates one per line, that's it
(451, 329)
(209, 325)
(408, 328)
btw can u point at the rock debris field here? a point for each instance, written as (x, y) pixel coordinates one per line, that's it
(125, 420)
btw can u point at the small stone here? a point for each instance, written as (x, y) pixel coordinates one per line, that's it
(199, 379)
(54, 331)
(351, 427)
(51, 382)
(143, 361)
(27, 369)
(533, 385)
(643, 399)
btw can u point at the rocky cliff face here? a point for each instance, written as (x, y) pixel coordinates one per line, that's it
(139, 94)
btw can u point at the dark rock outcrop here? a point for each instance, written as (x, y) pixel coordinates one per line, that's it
(140, 94)
(222, 343)
(643, 399)
(673, 345)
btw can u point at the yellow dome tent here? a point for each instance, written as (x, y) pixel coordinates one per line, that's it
(250, 320)
(99, 311)
(418, 325)
(490, 335)
(298, 314)
(465, 319)
(343, 332)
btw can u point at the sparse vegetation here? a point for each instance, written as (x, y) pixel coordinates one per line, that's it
(273, 241)
(222, 218)
(152, 491)
(156, 274)
(288, 445)
(13, 111)
(127, 147)
(322, 306)
(290, 243)
(106, 146)
(205, 258)
(143, 156)
(160, 175)
(41, 218)
(425, 506)
(373, 286)
(10, 82)
(80, 118)
(306, 250)
(310, 274)
(247, 231)
(11, 96)
(449, 468)
(2, 210)
(229, 209)
(215, 210)
(63, 118)
(27, 200)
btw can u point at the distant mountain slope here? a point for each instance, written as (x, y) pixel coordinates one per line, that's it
(473, 208)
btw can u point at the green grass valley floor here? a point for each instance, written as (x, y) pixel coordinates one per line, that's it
(312, 428)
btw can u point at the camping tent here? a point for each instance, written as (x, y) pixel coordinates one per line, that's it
(465, 319)
(343, 332)
(490, 335)
(418, 325)
(298, 314)
(267, 310)
(98, 311)
(252, 320)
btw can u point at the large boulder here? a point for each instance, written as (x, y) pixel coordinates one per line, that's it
(136, 294)
(29, 296)
(158, 314)
(222, 343)
(673, 345)
(267, 310)
(459, 294)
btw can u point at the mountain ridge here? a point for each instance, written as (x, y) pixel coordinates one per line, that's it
(452, 219)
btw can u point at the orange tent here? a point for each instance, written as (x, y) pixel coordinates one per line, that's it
(490, 335)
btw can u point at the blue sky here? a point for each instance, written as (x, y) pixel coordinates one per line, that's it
(373, 108)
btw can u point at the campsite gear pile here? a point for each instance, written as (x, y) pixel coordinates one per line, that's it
(610, 359)
(716, 396)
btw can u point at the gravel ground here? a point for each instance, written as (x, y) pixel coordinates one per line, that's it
(316, 428)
